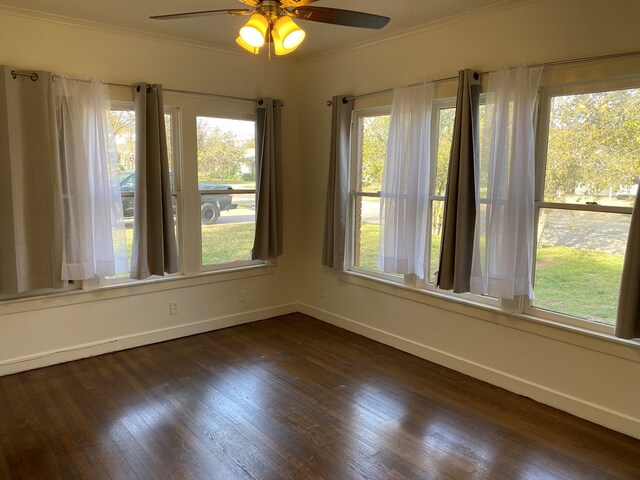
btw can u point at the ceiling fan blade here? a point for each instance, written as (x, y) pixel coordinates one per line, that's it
(232, 11)
(295, 3)
(335, 16)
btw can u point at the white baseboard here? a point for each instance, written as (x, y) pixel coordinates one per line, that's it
(595, 413)
(76, 352)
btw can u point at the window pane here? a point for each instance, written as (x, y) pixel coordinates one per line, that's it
(226, 153)
(227, 235)
(374, 135)
(486, 129)
(169, 132)
(226, 162)
(446, 120)
(446, 117)
(367, 233)
(579, 262)
(123, 125)
(593, 148)
(437, 210)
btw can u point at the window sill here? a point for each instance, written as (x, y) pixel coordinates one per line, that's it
(140, 287)
(592, 340)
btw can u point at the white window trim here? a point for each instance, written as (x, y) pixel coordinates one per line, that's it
(582, 336)
(520, 307)
(354, 193)
(127, 289)
(176, 152)
(542, 122)
(409, 281)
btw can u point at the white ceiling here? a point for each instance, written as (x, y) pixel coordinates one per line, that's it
(221, 30)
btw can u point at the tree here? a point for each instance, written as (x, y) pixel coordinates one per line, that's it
(220, 153)
(594, 144)
(123, 124)
(445, 135)
(375, 135)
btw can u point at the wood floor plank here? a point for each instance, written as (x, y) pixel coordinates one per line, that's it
(288, 398)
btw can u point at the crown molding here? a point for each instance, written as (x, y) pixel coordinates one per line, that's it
(124, 31)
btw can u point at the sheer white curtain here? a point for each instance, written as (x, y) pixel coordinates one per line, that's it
(503, 249)
(405, 182)
(94, 238)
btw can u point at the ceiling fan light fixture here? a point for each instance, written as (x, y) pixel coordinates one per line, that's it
(247, 47)
(289, 33)
(277, 45)
(254, 31)
(271, 21)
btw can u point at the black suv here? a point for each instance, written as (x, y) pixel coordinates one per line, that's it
(210, 205)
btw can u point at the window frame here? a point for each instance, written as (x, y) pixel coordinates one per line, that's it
(410, 281)
(225, 115)
(355, 193)
(183, 108)
(436, 107)
(545, 97)
(519, 305)
(175, 141)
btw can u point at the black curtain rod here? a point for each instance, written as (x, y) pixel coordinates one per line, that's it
(188, 92)
(545, 64)
(34, 77)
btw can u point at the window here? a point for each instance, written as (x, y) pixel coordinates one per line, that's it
(227, 188)
(122, 116)
(444, 116)
(213, 187)
(369, 151)
(588, 174)
(587, 177)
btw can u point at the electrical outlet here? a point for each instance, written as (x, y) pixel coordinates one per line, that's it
(323, 291)
(242, 295)
(173, 307)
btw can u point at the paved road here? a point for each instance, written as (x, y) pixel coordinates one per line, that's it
(602, 232)
(238, 215)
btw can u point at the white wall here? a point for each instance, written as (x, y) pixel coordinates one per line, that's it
(48, 330)
(587, 376)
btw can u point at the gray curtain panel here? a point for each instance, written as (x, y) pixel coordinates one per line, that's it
(456, 251)
(154, 250)
(335, 222)
(628, 322)
(31, 209)
(267, 243)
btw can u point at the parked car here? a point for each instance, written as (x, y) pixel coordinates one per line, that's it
(210, 205)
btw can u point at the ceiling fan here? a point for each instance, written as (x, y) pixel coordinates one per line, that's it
(271, 22)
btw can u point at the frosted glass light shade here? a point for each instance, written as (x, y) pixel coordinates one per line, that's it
(247, 47)
(287, 36)
(254, 31)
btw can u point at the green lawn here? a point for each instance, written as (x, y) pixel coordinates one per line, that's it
(220, 243)
(370, 234)
(578, 282)
(582, 283)
(227, 243)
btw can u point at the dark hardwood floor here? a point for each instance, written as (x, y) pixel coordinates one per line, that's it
(290, 397)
